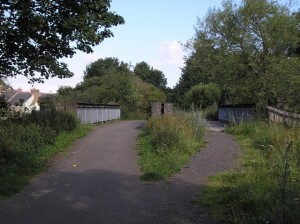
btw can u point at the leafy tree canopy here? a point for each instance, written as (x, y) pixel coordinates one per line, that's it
(150, 75)
(246, 50)
(296, 46)
(102, 66)
(203, 95)
(110, 81)
(36, 34)
(4, 84)
(65, 90)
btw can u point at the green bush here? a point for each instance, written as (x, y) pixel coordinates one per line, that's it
(56, 120)
(203, 95)
(17, 140)
(25, 134)
(211, 112)
(18, 164)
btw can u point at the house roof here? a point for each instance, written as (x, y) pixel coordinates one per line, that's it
(20, 97)
(16, 96)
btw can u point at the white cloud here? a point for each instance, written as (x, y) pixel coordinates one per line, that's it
(170, 60)
(172, 52)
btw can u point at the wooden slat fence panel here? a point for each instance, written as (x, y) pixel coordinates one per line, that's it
(282, 116)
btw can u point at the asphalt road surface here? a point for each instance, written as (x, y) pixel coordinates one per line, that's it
(98, 182)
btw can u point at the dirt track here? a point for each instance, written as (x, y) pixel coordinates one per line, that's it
(98, 182)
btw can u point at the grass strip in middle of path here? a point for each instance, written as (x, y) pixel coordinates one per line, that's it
(167, 142)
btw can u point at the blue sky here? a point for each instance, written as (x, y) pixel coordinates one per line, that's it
(153, 32)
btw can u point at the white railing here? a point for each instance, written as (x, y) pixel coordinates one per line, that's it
(97, 113)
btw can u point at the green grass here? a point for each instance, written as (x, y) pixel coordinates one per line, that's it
(266, 187)
(15, 175)
(167, 142)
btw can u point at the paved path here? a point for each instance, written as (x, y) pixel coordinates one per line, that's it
(98, 182)
(216, 126)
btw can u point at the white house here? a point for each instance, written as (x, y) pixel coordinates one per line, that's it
(20, 101)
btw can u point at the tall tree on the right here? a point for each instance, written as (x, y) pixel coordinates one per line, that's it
(296, 45)
(245, 50)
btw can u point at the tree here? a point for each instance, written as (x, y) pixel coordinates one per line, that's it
(65, 90)
(3, 106)
(296, 45)
(4, 85)
(240, 48)
(150, 75)
(36, 34)
(109, 81)
(203, 95)
(102, 67)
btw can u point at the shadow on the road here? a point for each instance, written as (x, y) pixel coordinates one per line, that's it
(140, 126)
(99, 196)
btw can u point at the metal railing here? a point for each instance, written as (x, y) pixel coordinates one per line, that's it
(236, 113)
(96, 113)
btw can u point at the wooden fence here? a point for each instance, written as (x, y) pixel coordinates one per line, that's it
(282, 116)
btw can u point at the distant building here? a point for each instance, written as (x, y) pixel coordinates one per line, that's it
(20, 101)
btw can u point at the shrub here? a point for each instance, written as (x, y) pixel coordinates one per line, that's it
(18, 164)
(17, 140)
(56, 120)
(203, 95)
(211, 112)
(26, 134)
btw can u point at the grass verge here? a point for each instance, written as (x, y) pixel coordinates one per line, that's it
(167, 142)
(266, 188)
(15, 175)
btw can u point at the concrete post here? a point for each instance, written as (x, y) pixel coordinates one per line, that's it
(155, 109)
(168, 108)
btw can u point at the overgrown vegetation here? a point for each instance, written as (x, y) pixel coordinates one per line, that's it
(167, 142)
(108, 81)
(211, 112)
(250, 49)
(27, 142)
(266, 187)
(203, 96)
